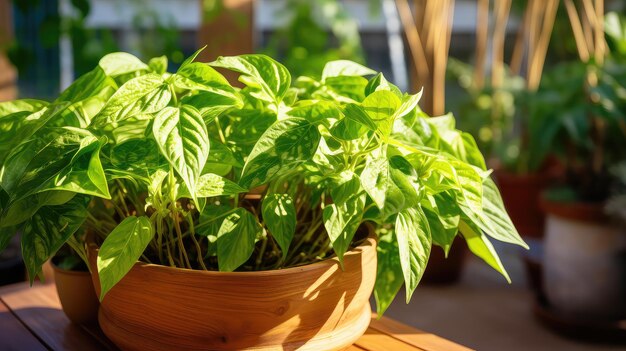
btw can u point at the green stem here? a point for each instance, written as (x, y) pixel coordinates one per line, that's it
(195, 241)
(219, 130)
(259, 258)
(179, 235)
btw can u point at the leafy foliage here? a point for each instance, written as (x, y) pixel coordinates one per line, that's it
(188, 171)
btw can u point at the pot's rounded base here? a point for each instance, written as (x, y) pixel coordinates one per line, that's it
(77, 296)
(312, 307)
(335, 340)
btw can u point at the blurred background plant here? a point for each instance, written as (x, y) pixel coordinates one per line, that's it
(580, 110)
(44, 28)
(305, 44)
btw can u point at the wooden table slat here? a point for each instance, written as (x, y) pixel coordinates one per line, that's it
(415, 337)
(15, 336)
(39, 308)
(374, 340)
(32, 319)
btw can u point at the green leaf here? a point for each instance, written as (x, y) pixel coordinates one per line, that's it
(158, 65)
(497, 219)
(64, 159)
(87, 85)
(389, 276)
(347, 88)
(183, 139)
(18, 121)
(23, 105)
(193, 56)
(211, 218)
(279, 215)
(480, 246)
(48, 229)
(210, 185)
(121, 249)
(409, 104)
(138, 156)
(343, 217)
(144, 94)
(132, 128)
(283, 146)
(211, 105)
(316, 112)
(345, 68)
(375, 178)
(235, 239)
(414, 243)
(443, 218)
(120, 63)
(221, 159)
(260, 72)
(24, 209)
(378, 82)
(381, 106)
(358, 114)
(200, 76)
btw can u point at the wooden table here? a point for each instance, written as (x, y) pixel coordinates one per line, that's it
(31, 319)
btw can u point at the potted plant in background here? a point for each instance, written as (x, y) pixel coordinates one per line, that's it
(356, 184)
(582, 244)
(74, 284)
(497, 106)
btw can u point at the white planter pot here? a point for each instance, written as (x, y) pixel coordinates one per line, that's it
(585, 267)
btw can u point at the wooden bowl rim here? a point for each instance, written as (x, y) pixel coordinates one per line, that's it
(368, 244)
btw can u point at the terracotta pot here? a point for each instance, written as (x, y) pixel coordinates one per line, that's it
(584, 264)
(77, 295)
(312, 307)
(442, 270)
(521, 195)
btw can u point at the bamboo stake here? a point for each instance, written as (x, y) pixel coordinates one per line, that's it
(534, 77)
(419, 8)
(520, 43)
(535, 14)
(590, 13)
(599, 45)
(581, 47)
(499, 35)
(482, 34)
(588, 31)
(439, 57)
(413, 38)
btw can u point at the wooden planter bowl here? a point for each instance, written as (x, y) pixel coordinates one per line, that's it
(313, 307)
(77, 296)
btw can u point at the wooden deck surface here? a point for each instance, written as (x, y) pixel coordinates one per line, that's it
(31, 319)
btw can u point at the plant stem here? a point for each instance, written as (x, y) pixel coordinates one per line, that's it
(219, 130)
(179, 235)
(259, 258)
(195, 241)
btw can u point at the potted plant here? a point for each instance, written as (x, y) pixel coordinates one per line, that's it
(74, 284)
(352, 183)
(582, 243)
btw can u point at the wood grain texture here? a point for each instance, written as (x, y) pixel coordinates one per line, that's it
(373, 340)
(422, 340)
(15, 336)
(39, 309)
(314, 307)
(35, 334)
